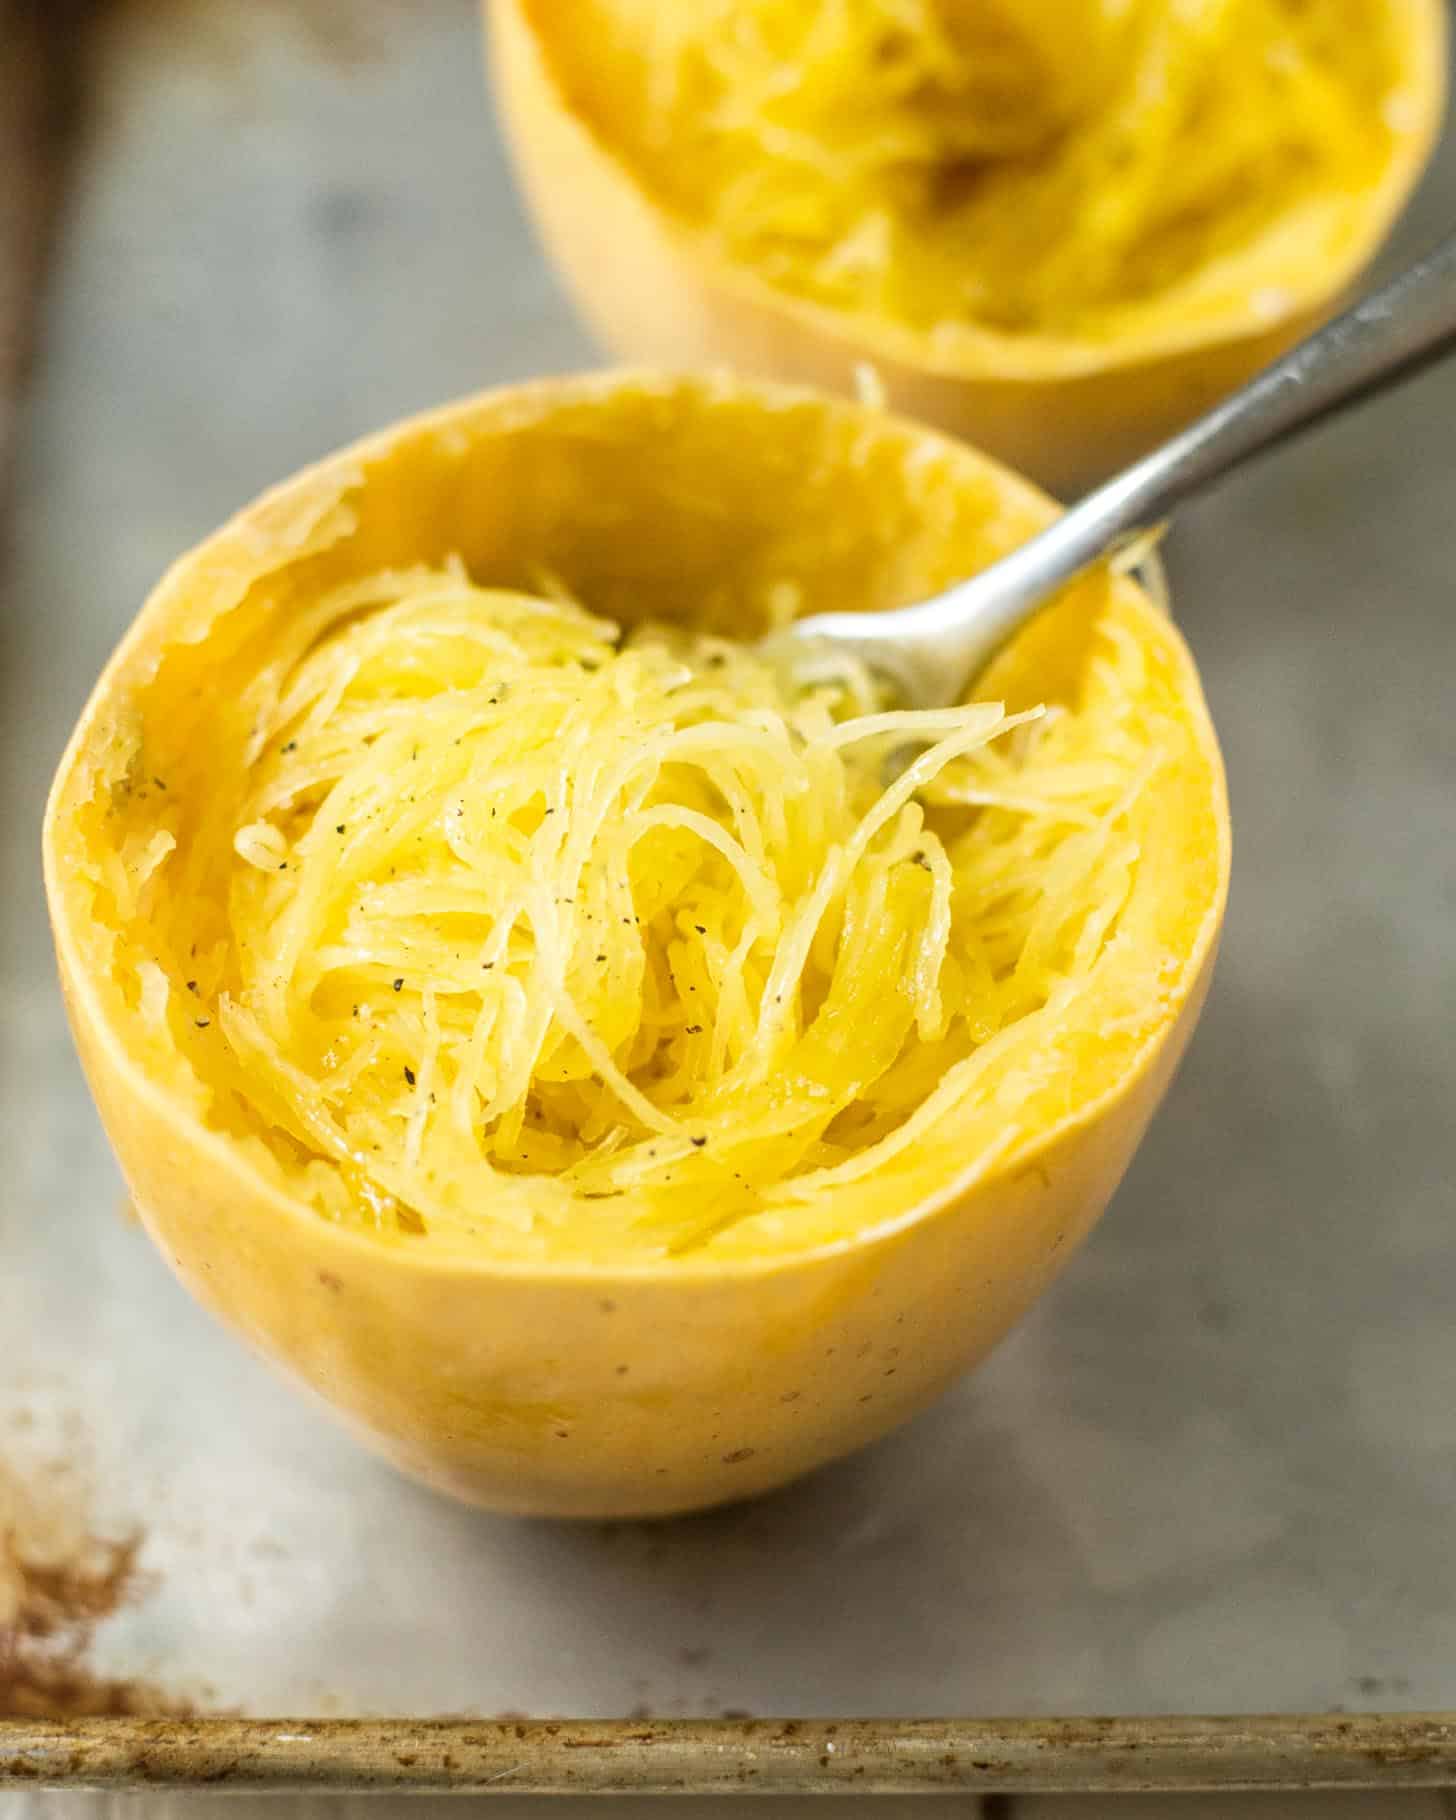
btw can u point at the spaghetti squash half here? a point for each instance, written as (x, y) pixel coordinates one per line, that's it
(548, 1028)
(997, 201)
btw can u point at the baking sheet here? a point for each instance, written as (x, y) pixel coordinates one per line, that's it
(1215, 1469)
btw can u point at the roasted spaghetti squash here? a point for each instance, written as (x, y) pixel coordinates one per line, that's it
(995, 200)
(538, 1020)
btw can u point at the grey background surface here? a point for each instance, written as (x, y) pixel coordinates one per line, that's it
(1214, 1470)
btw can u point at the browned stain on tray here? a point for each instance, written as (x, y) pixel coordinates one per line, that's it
(58, 1583)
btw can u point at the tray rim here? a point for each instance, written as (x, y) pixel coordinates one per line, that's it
(737, 1756)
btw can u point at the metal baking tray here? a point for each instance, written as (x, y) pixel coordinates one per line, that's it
(1214, 1472)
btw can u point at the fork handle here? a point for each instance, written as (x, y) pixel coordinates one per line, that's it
(934, 648)
(1389, 336)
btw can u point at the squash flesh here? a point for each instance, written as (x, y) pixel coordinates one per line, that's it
(1080, 170)
(515, 936)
